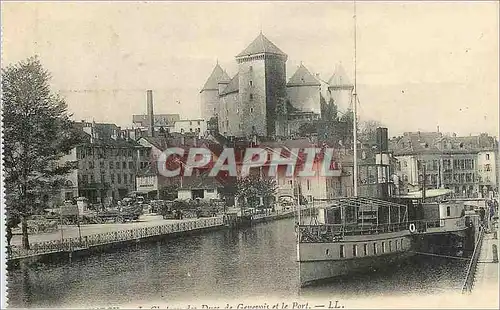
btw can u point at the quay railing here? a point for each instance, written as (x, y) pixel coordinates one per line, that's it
(324, 233)
(472, 267)
(86, 242)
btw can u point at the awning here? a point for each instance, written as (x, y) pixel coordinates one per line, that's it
(430, 193)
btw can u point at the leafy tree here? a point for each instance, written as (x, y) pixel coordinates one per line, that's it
(169, 192)
(253, 187)
(37, 133)
(213, 124)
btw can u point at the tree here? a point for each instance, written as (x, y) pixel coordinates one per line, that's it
(37, 133)
(252, 187)
(368, 131)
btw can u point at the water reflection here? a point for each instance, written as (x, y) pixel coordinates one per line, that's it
(249, 263)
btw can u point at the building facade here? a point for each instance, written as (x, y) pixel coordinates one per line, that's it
(106, 164)
(466, 165)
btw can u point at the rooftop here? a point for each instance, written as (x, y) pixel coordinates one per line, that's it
(303, 77)
(261, 45)
(218, 75)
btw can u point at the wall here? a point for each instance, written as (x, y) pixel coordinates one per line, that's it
(486, 160)
(191, 125)
(229, 115)
(305, 98)
(252, 93)
(275, 88)
(184, 194)
(342, 98)
(209, 101)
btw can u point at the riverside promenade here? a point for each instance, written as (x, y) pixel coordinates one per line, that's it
(486, 283)
(98, 237)
(70, 240)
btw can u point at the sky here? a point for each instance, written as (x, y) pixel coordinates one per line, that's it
(419, 64)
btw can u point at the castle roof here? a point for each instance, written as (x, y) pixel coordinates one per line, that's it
(302, 77)
(218, 75)
(233, 86)
(339, 77)
(261, 45)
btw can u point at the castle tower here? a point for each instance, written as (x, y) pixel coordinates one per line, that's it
(340, 88)
(262, 85)
(304, 91)
(209, 94)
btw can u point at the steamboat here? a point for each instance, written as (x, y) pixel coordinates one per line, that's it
(355, 234)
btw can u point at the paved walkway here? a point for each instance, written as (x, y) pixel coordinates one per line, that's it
(486, 278)
(91, 229)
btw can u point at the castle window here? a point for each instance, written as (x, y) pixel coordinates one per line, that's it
(342, 253)
(251, 83)
(487, 156)
(251, 110)
(251, 96)
(365, 249)
(354, 250)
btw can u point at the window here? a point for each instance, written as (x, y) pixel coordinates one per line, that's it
(251, 83)
(131, 165)
(375, 248)
(124, 165)
(101, 164)
(91, 165)
(327, 252)
(132, 178)
(251, 96)
(92, 178)
(117, 165)
(383, 247)
(401, 244)
(84, 178)
(487, 156)
(390, 246)
(354, 250)
(112, 178)
(308, 184)
(198, 123)
(119, 178)
(102, 178)
(124, 179)
(111, 165)
(396, 244)
(251, 110)
(342, 253)
(487, 167)
(190, 123)
(250, 68)
(365, 249)
(448, 211)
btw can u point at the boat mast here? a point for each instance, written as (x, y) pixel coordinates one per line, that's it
(355, 121)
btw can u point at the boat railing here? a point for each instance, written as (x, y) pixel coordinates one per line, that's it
(336, 232)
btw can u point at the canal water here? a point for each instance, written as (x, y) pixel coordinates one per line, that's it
(255, 263)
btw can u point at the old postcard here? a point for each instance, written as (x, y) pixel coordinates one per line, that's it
(250, 155)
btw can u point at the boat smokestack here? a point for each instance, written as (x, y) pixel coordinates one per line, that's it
(150, 113)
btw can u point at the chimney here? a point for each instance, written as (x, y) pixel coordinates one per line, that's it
(150, 113)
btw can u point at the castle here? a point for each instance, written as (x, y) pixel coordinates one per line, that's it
(258, 101)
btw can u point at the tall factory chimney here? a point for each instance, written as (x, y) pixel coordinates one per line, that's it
(151, 116)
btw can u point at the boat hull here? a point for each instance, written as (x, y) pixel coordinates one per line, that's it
(312, 272)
